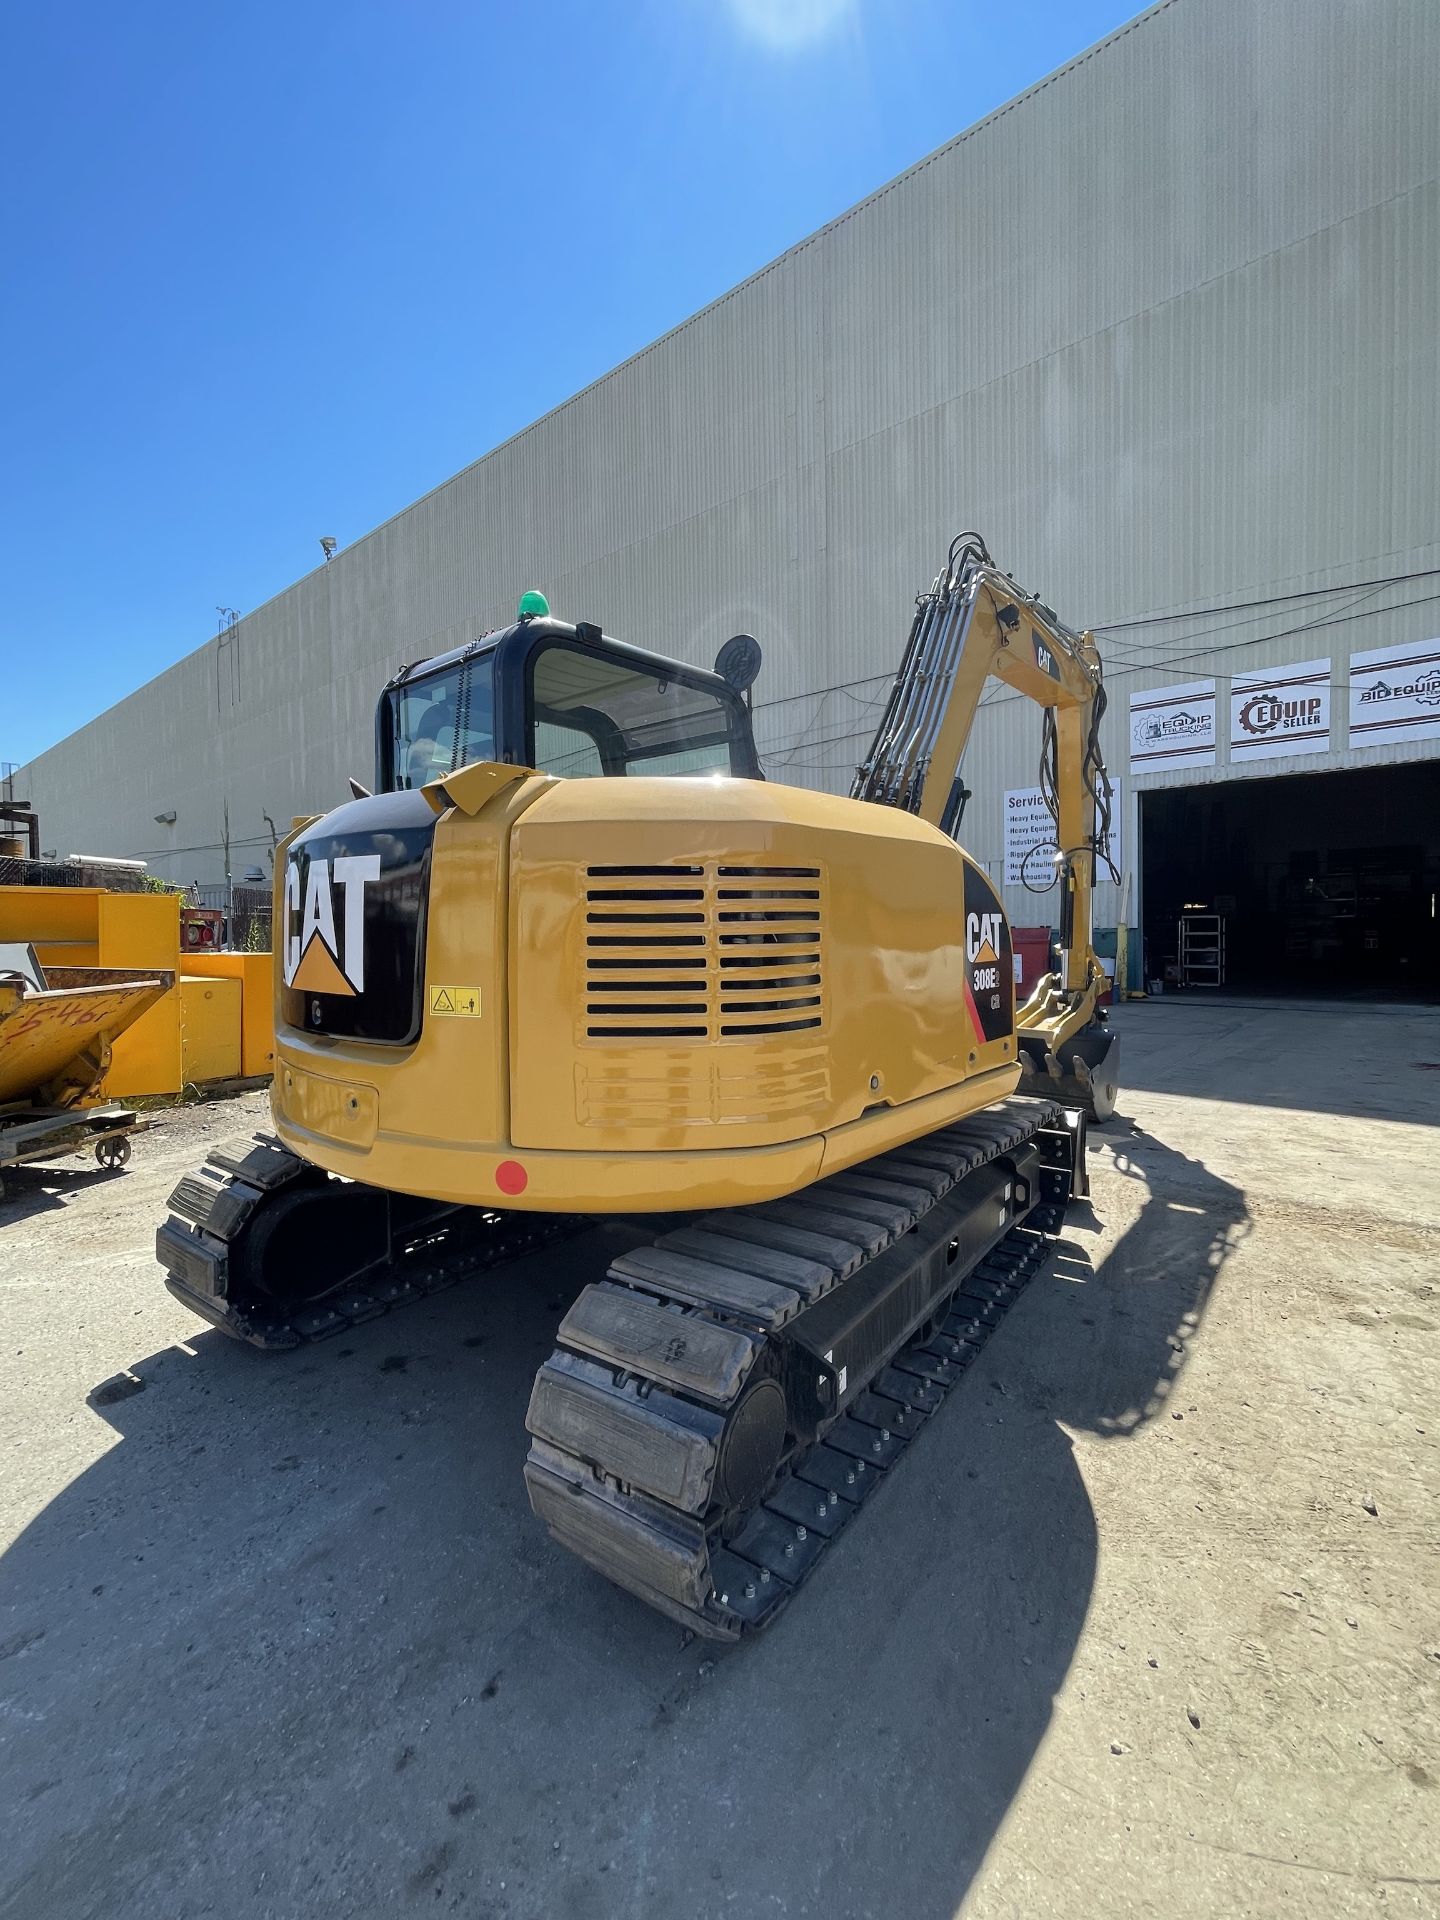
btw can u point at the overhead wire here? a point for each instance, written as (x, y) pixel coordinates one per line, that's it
(1270, 600)
(781, 752)
(1136, 657)
(1134, 651)
(1169, 661)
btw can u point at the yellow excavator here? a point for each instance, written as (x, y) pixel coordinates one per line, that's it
(767, 1037)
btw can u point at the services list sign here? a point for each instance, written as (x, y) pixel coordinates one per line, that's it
(1280, 710)
(1173, 727)
(1395, 694)
(1028, 826)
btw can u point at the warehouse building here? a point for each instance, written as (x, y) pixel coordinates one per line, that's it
(1163, 328)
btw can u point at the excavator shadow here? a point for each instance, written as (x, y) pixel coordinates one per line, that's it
(38, 1187)
(303, 1603)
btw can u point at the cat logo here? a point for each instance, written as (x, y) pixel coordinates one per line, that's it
(1044, 658)
(982, 939)
(982, 942)
(315, 961)
(988, 977)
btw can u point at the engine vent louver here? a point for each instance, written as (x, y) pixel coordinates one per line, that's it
(695, 953)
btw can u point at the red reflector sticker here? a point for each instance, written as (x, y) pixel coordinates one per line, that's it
(511, 1177)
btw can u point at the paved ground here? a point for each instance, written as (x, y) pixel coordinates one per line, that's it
(279, 1636)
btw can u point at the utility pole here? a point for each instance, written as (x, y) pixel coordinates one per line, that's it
(229, 882)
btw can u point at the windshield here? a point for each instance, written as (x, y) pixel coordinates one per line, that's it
(444, 721)
(602, 715)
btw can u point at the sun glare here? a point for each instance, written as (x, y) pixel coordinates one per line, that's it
(788, 25)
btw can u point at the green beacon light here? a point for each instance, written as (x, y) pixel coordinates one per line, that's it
(533, 605)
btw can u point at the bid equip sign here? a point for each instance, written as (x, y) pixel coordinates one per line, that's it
(1395, 694)
(1280, 710)
(1173, 727)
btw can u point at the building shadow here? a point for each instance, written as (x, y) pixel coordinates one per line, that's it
(294, 1641)
(1372, 1060)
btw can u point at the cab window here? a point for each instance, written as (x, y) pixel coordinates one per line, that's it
(593, 715)
(568, 751)
(444, 721)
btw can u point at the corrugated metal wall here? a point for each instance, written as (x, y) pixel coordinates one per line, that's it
(1164, 328)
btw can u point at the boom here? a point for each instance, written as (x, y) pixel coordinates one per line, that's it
(975, 624)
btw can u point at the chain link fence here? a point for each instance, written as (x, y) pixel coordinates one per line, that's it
(248, 911)
(16, 871)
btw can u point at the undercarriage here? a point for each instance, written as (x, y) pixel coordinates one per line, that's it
(728, 1393)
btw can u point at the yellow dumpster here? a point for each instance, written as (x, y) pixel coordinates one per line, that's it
(57, 1025)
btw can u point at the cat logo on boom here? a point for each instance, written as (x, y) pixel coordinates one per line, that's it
(315, 961)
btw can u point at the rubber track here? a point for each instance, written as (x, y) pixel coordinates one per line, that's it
(626, 1422)
(201, 1246)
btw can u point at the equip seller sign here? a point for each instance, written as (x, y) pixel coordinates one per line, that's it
(1280, 710)
(1395, 694)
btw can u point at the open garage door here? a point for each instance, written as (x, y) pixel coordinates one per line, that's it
(1320, 882)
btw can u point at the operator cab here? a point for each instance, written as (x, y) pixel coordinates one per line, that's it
(564, 699)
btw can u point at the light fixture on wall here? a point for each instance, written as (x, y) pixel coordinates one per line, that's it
(254, 873)
(328, 544)
(166, 819)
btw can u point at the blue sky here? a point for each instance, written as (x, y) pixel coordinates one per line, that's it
(273, 271)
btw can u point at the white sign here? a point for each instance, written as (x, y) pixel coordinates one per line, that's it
(1028, 825)
(1280, 710)
(1395, 694)
(1173, 727)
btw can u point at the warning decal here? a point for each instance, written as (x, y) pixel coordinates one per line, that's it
(989, 959)
(464, 1002)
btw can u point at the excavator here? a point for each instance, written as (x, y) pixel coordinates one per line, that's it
(576, 965)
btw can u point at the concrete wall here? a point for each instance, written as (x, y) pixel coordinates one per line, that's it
(1163, 328)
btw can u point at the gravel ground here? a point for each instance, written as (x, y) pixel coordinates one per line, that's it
(1146, 1624)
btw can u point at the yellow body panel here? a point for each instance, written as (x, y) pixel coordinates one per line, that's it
(57, 922)
(143, 930)
(883, 891)
(257, 1014)
(209, 1029)
(678, 1110)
